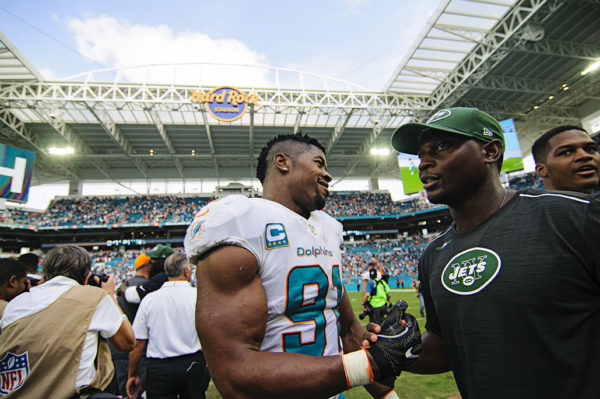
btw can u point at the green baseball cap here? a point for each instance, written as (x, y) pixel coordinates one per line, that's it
(160, 251)
(469, 122)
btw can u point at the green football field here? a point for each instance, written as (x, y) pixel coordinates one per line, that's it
(409, 386)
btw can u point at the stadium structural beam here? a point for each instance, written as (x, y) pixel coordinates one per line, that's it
(231, 158)
(500, 41)
(298, 121)
(380, 124)
(517, 109)
(117, 136)
(487, 52)
(140, 97)
(16, 126)
(589, 52)
(251, 132)
(166, 139)
(211, 143)
(517, 84)
(338, 130)
(73, 140)
(432, 20)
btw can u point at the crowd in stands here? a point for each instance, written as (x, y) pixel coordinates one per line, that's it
(524, 181)
(160, 209)
(123, 210)
(110, 211)
(370, 204)
(399, 256)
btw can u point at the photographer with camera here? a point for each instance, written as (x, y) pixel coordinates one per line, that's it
(53, 341)
(376, 297)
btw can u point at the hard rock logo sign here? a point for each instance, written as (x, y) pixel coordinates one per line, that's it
(225, 103)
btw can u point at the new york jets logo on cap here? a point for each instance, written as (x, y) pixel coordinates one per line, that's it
(470, 271)
(441, 114)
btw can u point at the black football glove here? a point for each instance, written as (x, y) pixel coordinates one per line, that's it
(397, 346)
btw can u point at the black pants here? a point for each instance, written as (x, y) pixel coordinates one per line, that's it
(186, 376)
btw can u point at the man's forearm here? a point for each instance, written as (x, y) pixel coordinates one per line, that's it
(433, 359)
(134, 357)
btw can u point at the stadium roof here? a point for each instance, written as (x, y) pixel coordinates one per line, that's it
(514, 59)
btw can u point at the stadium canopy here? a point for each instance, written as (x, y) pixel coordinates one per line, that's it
(518, 59)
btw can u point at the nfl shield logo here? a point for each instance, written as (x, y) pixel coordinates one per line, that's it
(13, 371)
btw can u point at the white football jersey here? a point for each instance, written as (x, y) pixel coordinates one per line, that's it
(299, 264)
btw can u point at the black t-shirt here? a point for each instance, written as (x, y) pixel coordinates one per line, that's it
(130, 309)
(152, 285)
(517, 299)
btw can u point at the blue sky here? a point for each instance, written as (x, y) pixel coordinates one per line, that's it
(361, 41)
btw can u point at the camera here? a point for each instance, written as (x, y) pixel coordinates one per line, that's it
(34, 279)
(102, 278)
(366, 312)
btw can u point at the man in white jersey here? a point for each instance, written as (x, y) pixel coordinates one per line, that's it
(271, 313)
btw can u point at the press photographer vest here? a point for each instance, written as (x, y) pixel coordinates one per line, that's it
(53, 340)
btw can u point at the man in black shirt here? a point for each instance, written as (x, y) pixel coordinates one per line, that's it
(512, 288)
(156, 273)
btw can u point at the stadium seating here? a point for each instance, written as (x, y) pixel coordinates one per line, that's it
(157, 210)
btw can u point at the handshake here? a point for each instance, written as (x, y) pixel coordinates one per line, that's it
(398, 343)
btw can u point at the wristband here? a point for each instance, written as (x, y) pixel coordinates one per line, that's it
(391, 395)
(357, 368)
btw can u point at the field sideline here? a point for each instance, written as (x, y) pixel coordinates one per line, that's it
(408, 386)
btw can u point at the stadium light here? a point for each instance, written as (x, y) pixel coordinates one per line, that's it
(591, 68)
(382, 152)
(61, 150)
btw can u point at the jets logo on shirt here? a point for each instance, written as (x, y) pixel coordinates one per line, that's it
(470, 271)
(13, 371)
(275, 236)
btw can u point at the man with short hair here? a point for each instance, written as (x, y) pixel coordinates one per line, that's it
(567, 158)
(13, 281)
(377, 296)
(31, 262)
(366, 277)
(120, 359)
(272, 313)
(156, 274)
(165, 320)
(53, 337)
(512, 287)
(141, 276)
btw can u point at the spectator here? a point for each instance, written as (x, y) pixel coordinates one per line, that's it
(165, 320)
(376, 297)
(54, 335)
(13, 281)
(31, 261)
(567, 158)
(416, 284)
(156, 273)
(366, 276)
(120, 359)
